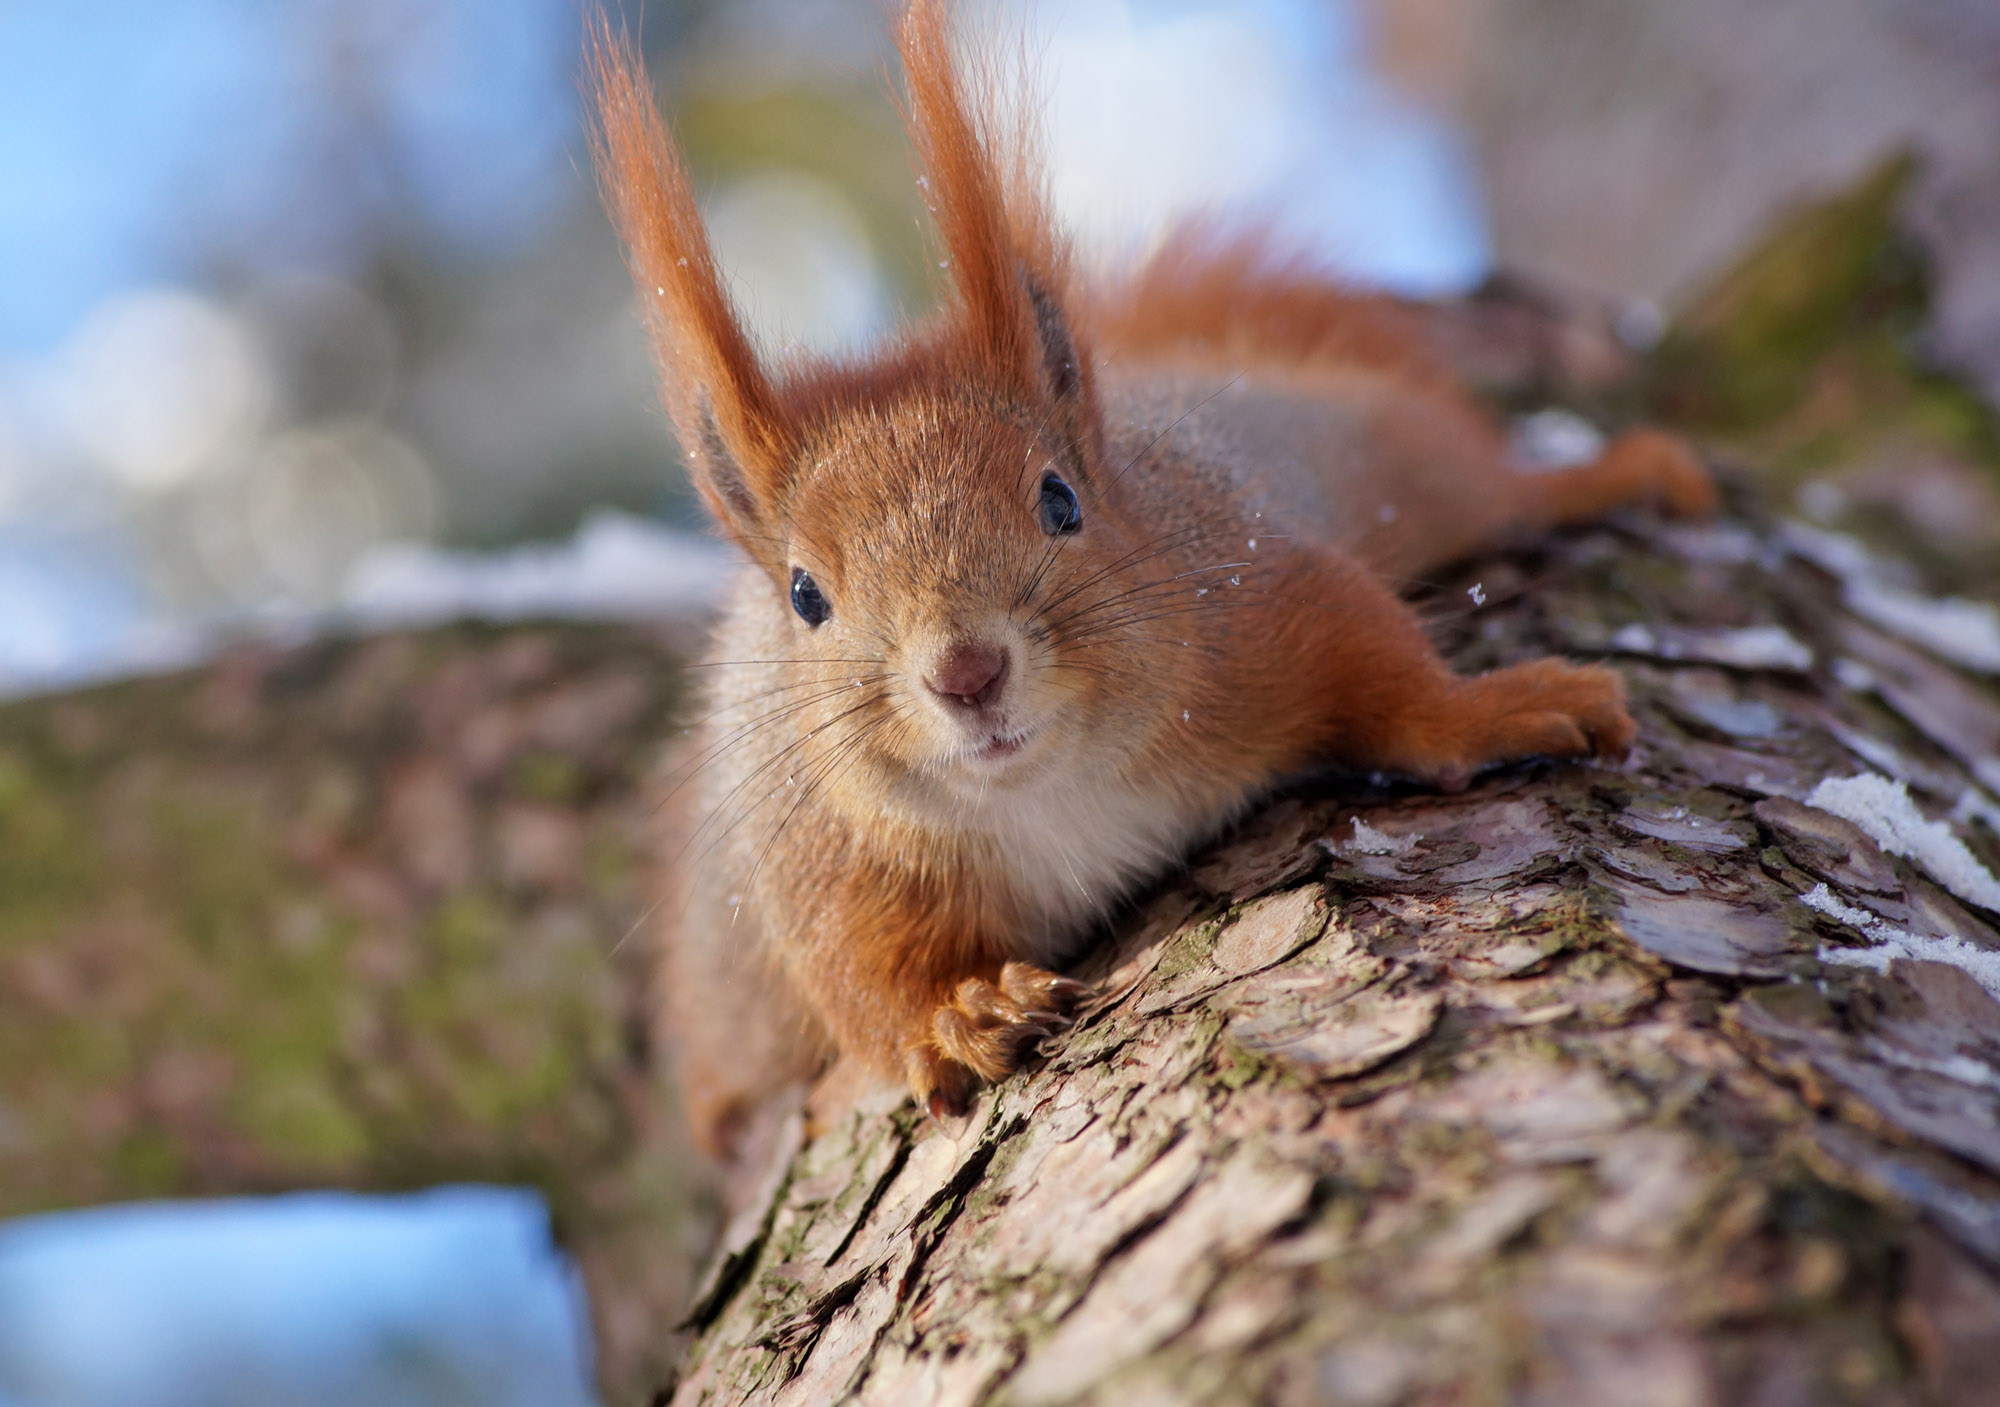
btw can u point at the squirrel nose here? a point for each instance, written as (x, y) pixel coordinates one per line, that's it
(971, 674)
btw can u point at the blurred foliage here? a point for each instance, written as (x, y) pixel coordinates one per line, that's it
(1808, 361)
(1811, 341)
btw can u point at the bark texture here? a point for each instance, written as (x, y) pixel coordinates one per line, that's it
(1554, 1091)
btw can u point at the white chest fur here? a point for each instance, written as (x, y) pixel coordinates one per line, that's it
(1072, 847)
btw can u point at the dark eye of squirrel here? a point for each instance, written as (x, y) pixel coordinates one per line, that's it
(1060, 513)
(807, 599)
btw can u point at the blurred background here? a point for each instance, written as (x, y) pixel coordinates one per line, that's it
(310, 322)
(287, 284)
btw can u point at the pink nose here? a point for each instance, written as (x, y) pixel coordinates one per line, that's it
(971, 674)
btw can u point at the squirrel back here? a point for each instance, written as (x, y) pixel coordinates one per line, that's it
(1037, 596)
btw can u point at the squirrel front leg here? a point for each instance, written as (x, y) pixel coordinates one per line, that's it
(914, 984)
(1453, 726)
(985, 1031)
(1381, 698)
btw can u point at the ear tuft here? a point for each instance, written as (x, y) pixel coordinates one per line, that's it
(1007, 264)
(1061, 369)
(725, 410)
(722, 474)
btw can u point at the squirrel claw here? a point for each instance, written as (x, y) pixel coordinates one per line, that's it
(985, 1032)
(942, 1086)
(992, 1029)
(944, 1106)
(1042, 994)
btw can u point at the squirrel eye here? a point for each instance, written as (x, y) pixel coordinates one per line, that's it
(1060, 513)
(807, 598)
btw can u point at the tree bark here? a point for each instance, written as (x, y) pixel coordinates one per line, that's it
(1549, 1092)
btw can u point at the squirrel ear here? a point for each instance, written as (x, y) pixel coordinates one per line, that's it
(1007, 264)
(1065, 378)
(726, 413)
(1062, 365)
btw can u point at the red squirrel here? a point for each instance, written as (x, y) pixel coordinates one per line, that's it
(1038, 595)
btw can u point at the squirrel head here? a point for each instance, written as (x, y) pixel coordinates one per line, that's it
(932, 547)
(930, 515)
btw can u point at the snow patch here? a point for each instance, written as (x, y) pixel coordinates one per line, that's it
(1837, 553)
(1883, 809)
(1853, 674)
(1636, 639)
(1752, 647)
(1953, 628)
(1554, 439)
(616, 567)
(1890, 943)
(1963, 1068)
(1759, 647)
(1820, 899)
(1369, 841)
(1722, 544)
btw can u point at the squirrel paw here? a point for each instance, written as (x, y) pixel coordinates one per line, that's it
(1545, 708)
(987, 1031)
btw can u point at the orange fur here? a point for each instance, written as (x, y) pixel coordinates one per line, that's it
(915, 794)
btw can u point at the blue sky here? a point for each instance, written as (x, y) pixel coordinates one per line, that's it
(317, 1299)
(159, 142)
(165, 142)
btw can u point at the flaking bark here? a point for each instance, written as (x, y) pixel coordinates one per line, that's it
(1554, 1092)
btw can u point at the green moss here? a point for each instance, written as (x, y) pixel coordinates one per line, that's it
(1801, 353)
(547, 776)
(1568, 924)
(1236, 1068)
(1188, 951)
(16, 786)
(149, 1164)
(299, 1113)
(46, 852)
(1746, 352)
